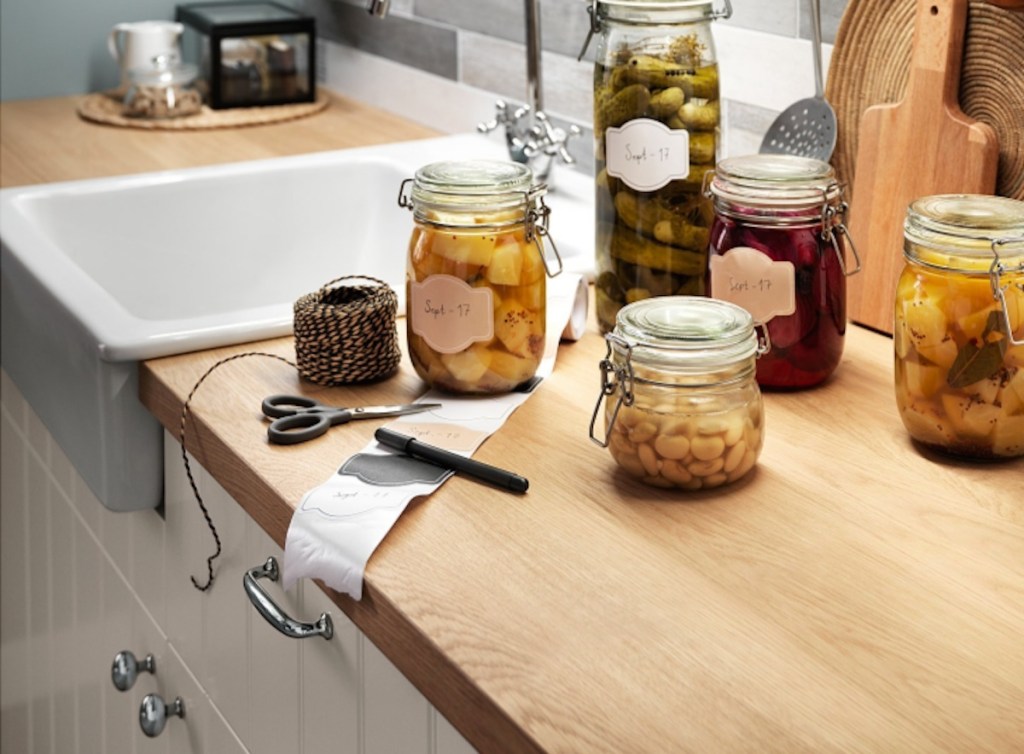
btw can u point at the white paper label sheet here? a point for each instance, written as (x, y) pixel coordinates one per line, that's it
(339, 524)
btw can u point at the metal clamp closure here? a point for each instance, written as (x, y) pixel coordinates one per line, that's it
(832, 220)
(538, 216)
(405, 199)
(995, 271)
(595, 24)
(613, 379)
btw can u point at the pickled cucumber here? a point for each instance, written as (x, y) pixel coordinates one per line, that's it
(654, 243)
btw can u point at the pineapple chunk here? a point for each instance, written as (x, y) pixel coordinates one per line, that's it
(506, 263)
(1008, 439)
(469, 365)
(901, 335)
(519, 329)
(465, 248)
(942, 353)
(533, 296)
(926, 323)
(922, 380)
(969, 418)
(987, 390)
(533, 264)
(512, 369)
(925, 425)
(1014, 295)
(1012, 394)
(973, 325)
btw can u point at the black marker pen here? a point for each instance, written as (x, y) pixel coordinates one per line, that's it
(506, 480)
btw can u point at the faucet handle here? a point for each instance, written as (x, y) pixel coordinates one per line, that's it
(553, 140)
(503, 117)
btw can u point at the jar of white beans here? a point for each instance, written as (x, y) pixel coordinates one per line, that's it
(682, 406)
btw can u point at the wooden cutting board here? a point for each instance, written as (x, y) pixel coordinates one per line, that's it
(922, 145)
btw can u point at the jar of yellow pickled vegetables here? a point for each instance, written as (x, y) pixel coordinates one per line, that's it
(476, 275)
(656, 133)
(682, 408)
(959, 327)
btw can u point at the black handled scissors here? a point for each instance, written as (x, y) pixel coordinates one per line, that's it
(297, 419)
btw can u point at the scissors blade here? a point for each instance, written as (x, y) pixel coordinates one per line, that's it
(399, 409)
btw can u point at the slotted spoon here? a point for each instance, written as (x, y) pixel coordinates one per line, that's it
(806, 128)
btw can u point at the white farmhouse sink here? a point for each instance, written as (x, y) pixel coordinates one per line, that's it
(100, 274)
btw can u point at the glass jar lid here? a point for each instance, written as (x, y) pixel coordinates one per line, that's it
(782, 186)
(964, 232)
(688, 333)
(473, 185)
(618, 8)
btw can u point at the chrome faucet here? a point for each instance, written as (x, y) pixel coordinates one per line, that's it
(529, 135)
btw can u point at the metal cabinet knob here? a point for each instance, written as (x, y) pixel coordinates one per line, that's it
(153, 713)
(273, 614)
(126, 669)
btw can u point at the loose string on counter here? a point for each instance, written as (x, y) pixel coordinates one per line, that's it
(343, 335)
(188, 466)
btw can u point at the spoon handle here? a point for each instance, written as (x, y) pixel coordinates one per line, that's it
(819, 86)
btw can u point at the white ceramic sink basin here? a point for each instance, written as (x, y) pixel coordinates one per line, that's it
(100, 274)
(171, 262)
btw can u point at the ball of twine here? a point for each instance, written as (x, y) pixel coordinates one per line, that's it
(347, 333)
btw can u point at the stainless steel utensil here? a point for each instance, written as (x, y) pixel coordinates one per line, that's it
(806, 128)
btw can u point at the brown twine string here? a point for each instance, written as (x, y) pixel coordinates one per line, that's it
(347, 334)
(342, 335)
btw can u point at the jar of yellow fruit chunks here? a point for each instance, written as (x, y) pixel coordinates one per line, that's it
(476, 275)
(656, 133)
(959, 327)
(682, 405)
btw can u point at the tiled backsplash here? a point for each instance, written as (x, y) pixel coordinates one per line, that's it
(444, 62)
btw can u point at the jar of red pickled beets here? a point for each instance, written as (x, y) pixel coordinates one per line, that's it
(778, 244)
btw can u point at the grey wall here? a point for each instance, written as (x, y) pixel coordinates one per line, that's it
(50, 48)
(58, 47)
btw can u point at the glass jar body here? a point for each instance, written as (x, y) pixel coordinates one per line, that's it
(807, 343)
(477, 305)
(959, 383)
(656, 128)
(165, 90)
(688, 436)
(778, 249)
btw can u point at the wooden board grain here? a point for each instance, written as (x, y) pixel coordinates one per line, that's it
(923, 145)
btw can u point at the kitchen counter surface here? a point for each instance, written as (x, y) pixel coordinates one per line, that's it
(852, 594)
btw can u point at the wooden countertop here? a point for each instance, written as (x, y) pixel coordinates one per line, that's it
(852, 594)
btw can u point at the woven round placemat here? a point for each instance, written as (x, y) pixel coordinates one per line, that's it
(347, 333)
(871, 65)
(106, 108)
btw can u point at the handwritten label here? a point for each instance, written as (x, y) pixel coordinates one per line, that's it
(458, 439)
(449, 314)
(752, 279)
(646, 154)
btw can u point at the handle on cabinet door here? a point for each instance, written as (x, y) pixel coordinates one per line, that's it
(126, 669)
(154, 711)
(274, 615)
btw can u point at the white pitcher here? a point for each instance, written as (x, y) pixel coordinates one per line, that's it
(134, 44)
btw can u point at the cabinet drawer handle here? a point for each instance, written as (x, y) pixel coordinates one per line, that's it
(274, 615)
(126, 669)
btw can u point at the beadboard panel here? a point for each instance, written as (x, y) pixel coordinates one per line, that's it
(80, 583)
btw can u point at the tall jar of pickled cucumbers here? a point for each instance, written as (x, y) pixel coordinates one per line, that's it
(656, 131)
(476, 275)
(959, 325)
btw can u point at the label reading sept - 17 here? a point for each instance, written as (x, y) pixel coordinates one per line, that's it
(449, 314)
(646, 154)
